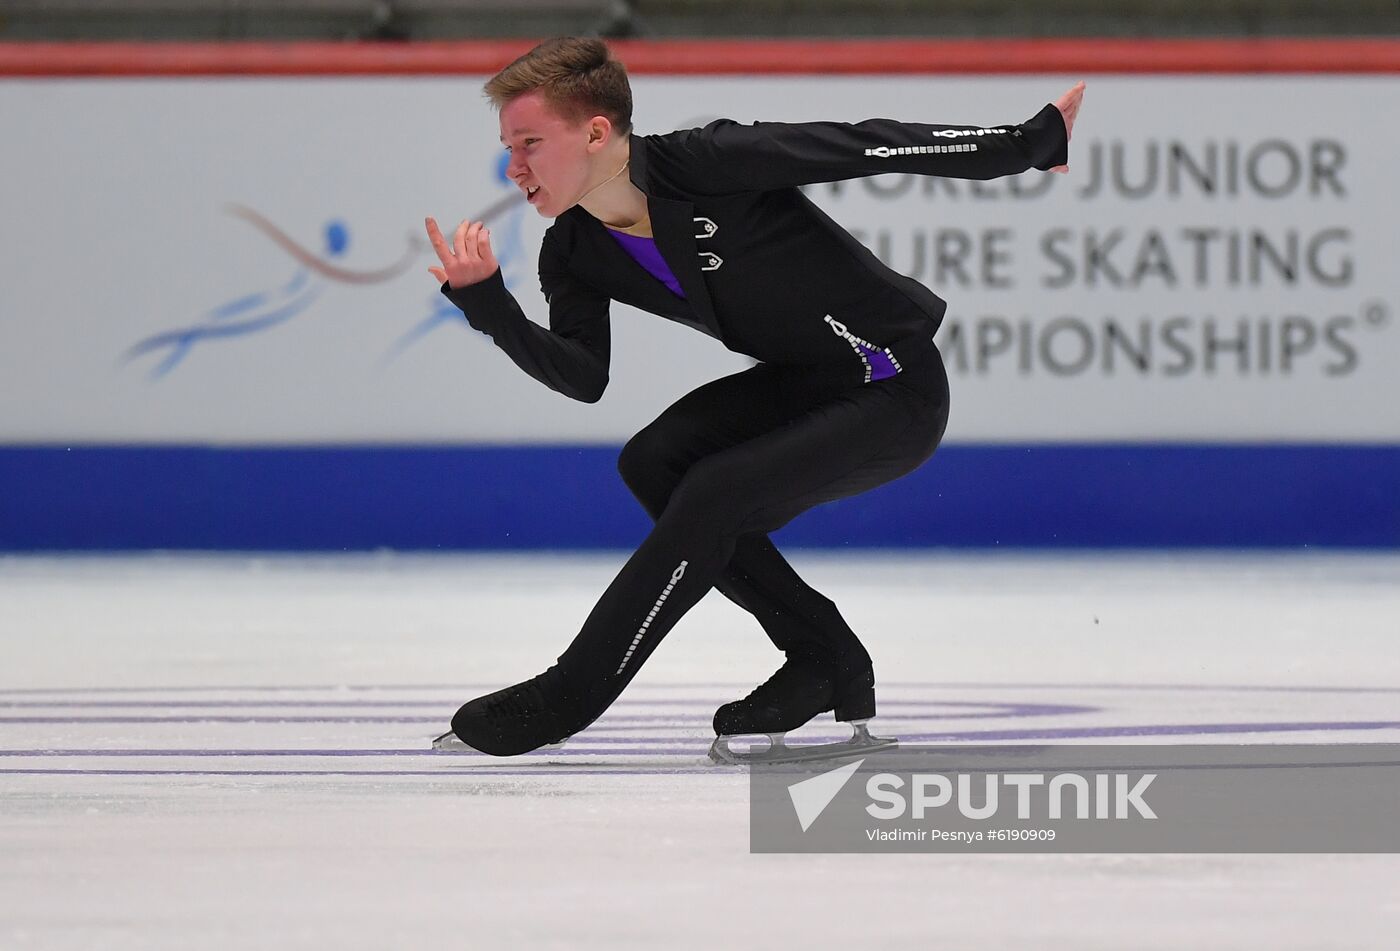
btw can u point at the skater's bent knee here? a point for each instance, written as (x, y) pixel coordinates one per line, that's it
(640, 458)
(646, 472)
(653, 456)
(708, 494)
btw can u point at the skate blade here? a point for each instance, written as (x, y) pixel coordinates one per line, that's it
(860, 743)
(450, 743)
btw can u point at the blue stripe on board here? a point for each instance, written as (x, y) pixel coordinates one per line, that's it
(493, 497)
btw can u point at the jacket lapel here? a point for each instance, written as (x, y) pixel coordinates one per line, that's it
(634, 285)
(673, 226)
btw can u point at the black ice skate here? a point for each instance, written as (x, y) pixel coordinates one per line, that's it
(801, 689)
(528, 716)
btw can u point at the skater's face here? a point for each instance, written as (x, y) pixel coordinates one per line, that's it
(553, 159)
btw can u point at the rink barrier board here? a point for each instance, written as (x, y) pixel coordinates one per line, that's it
(101, 498)
(1349, 55)
(489, 497)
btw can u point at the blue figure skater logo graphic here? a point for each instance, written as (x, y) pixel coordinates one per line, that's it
(253, 313)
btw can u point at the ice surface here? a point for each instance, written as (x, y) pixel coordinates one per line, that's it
(231, 752)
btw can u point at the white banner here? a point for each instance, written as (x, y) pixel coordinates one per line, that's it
(239, 260)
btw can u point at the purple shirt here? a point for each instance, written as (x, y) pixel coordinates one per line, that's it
(644, 252)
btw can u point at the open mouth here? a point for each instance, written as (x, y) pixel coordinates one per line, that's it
(530, 193)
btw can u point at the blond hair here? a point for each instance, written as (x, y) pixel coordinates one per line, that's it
(578, 76)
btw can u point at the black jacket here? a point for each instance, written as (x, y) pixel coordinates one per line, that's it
(764, 270)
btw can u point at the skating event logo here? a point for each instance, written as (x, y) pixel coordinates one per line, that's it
(321, 276)
(1285, 798)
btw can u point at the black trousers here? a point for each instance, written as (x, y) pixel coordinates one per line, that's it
(721, 468)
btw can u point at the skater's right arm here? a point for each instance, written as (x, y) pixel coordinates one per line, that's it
(571, 356)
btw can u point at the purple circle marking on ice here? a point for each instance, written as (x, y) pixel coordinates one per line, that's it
(465, 688)
(592, 743)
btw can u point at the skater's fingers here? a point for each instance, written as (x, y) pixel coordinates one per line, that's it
(1068, 104)
(472, 240)
(488, 257)
(1072, 96)
(468, 260)
(436, 239)
(459, 239)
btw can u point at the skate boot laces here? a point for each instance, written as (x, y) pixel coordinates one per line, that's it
(798, 675)
(538, 696)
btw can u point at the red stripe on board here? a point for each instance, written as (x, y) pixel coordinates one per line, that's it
(701, 57)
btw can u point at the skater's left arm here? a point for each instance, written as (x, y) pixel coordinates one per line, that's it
(768, 155)
(570, 356)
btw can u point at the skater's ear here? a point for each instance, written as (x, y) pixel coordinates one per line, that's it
(600, 132)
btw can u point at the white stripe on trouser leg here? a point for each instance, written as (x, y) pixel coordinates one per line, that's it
(641, 632)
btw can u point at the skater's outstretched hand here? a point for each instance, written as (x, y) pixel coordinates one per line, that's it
(1068, 104)
(468, 260)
